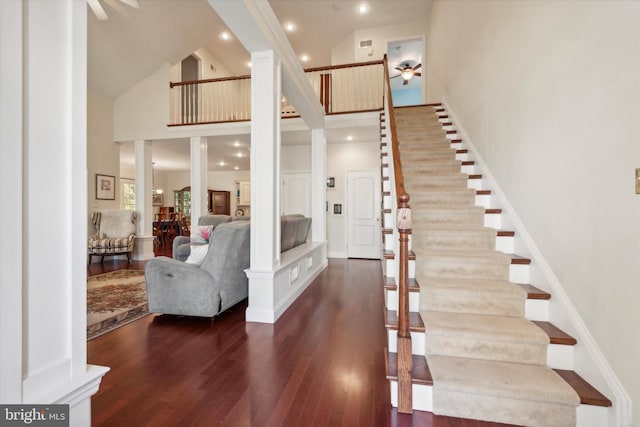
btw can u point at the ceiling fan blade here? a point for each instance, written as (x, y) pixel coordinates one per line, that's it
(393, 77)
(399, 69)
(97, 9)
(132, 3)
(406, 82)
(417, 66)
(417, 74)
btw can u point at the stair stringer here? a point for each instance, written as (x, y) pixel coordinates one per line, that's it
(589, 361)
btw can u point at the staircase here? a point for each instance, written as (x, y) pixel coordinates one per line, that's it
(481, 341)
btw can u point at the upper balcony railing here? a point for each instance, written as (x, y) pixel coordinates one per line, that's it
(341, 89)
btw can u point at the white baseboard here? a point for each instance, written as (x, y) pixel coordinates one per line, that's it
(622, 401)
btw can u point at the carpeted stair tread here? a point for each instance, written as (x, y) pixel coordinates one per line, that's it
(501, 378)
(488, 256)
(482, 336)
(445, 237)
(470, 288)
(490, 390)
(425, 182)
(468, 215)
(443, 197)
(472, 296)
(468, 264)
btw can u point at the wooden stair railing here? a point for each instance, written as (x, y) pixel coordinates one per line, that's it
(403, 212)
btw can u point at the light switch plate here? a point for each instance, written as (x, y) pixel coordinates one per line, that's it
(637, 181)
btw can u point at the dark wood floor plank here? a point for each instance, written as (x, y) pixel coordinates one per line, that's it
(321, 364)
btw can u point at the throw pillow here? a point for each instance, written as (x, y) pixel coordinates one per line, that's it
(201, 234)
(198, 253)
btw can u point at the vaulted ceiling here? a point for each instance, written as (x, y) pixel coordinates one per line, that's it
(133, 43)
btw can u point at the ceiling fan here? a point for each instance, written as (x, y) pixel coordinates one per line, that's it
(407, 72)
(98, 10)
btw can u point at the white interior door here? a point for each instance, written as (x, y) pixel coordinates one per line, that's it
(296, 194)
(363, 214)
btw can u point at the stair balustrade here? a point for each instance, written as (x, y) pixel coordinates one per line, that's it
(403, 225)
(341, 89)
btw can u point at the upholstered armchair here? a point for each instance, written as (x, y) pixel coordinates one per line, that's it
(181, 288)
(181, 247)
(112, 232)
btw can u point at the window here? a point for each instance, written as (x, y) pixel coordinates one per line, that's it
(128, 194)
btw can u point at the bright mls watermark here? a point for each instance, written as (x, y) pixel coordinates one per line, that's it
(34, 415)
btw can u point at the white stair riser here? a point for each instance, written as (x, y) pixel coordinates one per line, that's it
(504, 244)
(392, 301)
(417, 341)
(476, 184)
(483, 200)
(456, 145)
(422, 396)
(537, 309)
(519, 273)
(463, 156)
(493, 221)
(593, 416)
(469, 169)
(453, 136)
(560, 356)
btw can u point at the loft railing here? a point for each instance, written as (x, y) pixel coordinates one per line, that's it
(403, 214)
(341, 89)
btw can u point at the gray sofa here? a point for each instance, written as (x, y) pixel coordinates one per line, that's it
(181, 247)
(175, 287)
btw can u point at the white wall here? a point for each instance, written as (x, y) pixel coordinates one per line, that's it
(103, 155)
(548, 93)
(142, 112)
(342, 158)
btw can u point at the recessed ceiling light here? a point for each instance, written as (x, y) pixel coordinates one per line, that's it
(290, 26)
(239, 154)
(222, 163)
(249, 64)
(363, 8)
(225, 35)
(236, 167)
(236, 144)
(304, 57)
(349, 138)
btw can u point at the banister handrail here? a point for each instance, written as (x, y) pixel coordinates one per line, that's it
(403, 213)
(397, 165)
(306, 70)
(341, 66)
(220, 79)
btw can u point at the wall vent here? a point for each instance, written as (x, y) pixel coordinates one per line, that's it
(366, 44)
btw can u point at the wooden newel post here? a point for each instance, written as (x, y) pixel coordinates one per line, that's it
(405, 363)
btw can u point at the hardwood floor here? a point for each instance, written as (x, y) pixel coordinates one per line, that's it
(321, 364)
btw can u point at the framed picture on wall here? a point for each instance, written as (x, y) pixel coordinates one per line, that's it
(105, 187)
(337, 208)
(157, 199)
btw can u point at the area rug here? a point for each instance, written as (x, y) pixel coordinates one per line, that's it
(115, 299)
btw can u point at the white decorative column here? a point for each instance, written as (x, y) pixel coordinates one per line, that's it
(318, 185)
(43, 163)
(265, 176)
(143, 248)
(198, 178)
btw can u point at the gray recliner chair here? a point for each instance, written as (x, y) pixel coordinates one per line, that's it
(182, 248)
(176, 287)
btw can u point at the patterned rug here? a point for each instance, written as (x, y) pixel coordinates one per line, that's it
(115, 299)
